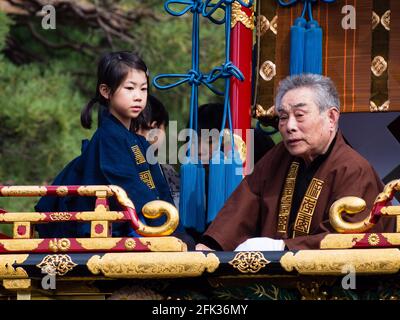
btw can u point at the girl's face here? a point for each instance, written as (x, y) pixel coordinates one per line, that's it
(129, 100)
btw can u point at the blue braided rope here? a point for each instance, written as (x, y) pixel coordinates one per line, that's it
(289, 3)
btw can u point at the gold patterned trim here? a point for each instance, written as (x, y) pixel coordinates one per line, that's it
(98, 243)
(163, 244)
(375, 20)
(268, 70)
(60, 216)
(97, 215)
(20, 244)
(22, 217)
(384, 107)
(23, 191)
(287, 197)
(249, 262)
(385, 20)
(307, 208)
(378, 66)
(138, 155)
(153, 265)
(147, 178)
(16, 284)
(59, 264)
(238, 15)
(332, 262)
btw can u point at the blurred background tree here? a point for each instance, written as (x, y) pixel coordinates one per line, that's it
(47, 75)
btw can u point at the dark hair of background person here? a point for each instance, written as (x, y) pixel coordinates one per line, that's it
(112, 69)
(154, 111)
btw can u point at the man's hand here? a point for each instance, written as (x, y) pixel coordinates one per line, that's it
(202, 247)
(261, 244)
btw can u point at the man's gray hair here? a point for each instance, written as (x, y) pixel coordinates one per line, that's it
(325, 93)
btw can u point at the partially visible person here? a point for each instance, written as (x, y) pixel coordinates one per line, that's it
(153, 127)
(285, 201)
(114, 155)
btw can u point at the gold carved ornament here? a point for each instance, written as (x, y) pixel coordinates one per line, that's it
(353, 205)
(153, 210)
(238, 15)
(153, 264)
(59, 264)
(268, 70)
(378, 66)
(333, 262)
(59, 245)
(249, 262)
(7, 269)
(240, 145)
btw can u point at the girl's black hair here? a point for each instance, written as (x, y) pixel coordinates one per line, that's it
(155, 111)
(112, 69)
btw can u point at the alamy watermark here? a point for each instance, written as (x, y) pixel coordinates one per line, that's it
(49, 17)
(201, 146)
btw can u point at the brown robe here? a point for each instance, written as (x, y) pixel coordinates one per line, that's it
(253, 208)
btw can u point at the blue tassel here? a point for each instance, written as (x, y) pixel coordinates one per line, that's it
(297, 33)
(200, 218)
(234, 172)
(313, 48)
(187, 201)
(216, 185)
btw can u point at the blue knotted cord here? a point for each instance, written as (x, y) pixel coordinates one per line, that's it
(194, 77)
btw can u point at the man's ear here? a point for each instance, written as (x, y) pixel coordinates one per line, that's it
(104, 91)
(154, 125)
(333, 116)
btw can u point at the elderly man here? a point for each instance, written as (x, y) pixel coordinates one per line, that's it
(285, 201)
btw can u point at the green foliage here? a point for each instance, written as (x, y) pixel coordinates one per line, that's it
(40, 102)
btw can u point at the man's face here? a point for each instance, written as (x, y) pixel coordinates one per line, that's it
(306, 132)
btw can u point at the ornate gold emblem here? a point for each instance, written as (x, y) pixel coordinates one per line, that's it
(385, 20)
(378, 66)
(138, 155)
(249, 262)
(60, 216)
(153, 264)
(375, 20)
(262, 25)
(274, 25)
(238, 15)
(384, 107)
(59, 264)
(62, 191)
(268, 70)
(130, 244)
(59, 245)
(373, 239)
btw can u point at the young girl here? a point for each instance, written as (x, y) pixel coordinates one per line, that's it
(114, 155)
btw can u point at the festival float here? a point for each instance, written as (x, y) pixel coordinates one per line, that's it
(356, 44)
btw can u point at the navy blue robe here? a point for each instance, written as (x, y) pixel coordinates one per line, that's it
(114, 156)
